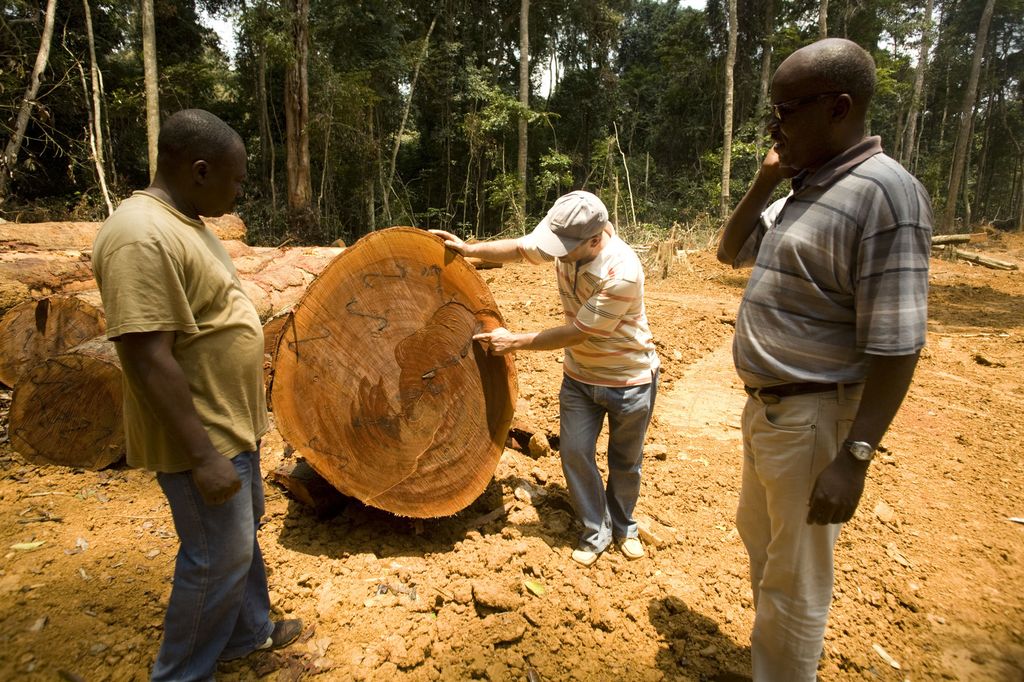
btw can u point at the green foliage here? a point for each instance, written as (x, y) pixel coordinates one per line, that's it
(555, 174)
(633, 110)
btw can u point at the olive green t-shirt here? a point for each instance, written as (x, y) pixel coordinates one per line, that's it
(159, 270)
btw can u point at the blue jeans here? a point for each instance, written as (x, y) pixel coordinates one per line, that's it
(219, 606)
(605, 512)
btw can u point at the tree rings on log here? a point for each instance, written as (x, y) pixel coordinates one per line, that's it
(379, 385)
(68, 409)
(32, 331)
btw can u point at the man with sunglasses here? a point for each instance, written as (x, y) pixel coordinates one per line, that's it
(827, 336)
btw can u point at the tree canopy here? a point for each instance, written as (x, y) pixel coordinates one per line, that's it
(626, 100)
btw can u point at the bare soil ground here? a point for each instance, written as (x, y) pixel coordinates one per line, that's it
(929, 572)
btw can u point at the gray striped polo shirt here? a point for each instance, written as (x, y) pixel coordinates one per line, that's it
(840, 273)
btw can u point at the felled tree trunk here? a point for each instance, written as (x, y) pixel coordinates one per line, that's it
(379, 385)
(79, 236)
(28, 275)
(62, 403)
(276, 278)
(33, 274)
(35, 330)
(67, 410)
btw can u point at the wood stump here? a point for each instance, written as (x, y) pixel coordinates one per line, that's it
(32, 331)
(378, 384)
(68, 410)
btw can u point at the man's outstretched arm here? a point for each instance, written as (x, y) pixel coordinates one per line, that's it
(501, 341)
(501, 250)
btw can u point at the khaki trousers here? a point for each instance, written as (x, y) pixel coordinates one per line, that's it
(787, 442)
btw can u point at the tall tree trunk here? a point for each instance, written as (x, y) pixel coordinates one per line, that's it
(766, 67)
(10, 156)
(625, 167)
(152, 82)
(910, 133)
(96, 122)
(371, 182)
(267, 151)
(326, 163)
(966, 119)
(296, 114)
(823, 19)
(524, 103)
(730, 64)
(388, 187)
(980, 183)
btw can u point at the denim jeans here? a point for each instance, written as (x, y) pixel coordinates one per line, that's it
(219, 606)
(605, 512)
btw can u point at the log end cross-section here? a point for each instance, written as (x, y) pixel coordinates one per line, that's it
(35, 330)
(379, 385)
(68, 409)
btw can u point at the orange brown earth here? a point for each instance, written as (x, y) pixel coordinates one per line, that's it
(929, 572)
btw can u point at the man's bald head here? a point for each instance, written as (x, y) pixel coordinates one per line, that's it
(834, 65)
(201, 164)
(192, 134)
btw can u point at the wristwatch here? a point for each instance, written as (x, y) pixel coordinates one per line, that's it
(860, 450)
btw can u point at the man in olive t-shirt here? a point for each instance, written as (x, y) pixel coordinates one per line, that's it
(191, 347)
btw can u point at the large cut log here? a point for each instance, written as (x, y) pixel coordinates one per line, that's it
(28, 275)
(93, 369)
(67, 410)
(276, 278)
(378, 384)
(36, 329)
(79, 236)
(32, 331)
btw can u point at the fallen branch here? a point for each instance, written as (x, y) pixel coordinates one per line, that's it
(983, 260)
(943, 239)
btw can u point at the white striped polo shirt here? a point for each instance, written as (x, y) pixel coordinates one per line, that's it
(840, 273)
(605, 299)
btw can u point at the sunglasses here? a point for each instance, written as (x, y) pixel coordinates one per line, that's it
(777, 111)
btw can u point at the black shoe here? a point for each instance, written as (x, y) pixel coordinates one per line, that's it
(285, 632)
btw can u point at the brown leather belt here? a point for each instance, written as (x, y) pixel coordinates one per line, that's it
(787, 390)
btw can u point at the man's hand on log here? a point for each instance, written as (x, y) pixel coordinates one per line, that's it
(216, 479)
(499, 341)
(452, 242)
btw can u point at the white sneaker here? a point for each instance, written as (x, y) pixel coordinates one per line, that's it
(631, 548)
(584, 557)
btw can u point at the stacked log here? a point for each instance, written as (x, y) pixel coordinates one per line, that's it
(68, 410)
(35, 330)
(63, 404)
(39, 259)
(79, 236)
(378, 384)
(34, 274)
(427, 412)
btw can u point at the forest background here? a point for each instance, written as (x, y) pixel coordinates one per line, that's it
(473, 115)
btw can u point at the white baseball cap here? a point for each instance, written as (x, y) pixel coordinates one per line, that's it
(575, 218)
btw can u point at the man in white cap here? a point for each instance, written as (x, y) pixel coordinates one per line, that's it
(610, 366)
